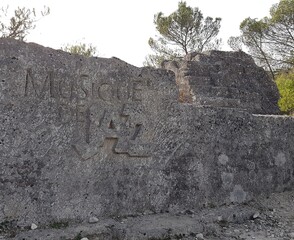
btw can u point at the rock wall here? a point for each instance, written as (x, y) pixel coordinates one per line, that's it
(82, 137)
(225, 79)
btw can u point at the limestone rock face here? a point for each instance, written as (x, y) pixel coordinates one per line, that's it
(84, 137)
(225, 79)
(71, 125)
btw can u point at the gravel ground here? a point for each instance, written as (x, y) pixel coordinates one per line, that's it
(266, 217)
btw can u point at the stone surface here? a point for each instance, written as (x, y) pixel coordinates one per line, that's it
(84, 137)
(225, 79)
(77, 133)
(185, 226)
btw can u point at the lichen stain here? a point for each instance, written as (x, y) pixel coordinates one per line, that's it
(238, 195)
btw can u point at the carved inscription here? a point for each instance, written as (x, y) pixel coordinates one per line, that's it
(97, 127)
(82, 87)
(104, 112)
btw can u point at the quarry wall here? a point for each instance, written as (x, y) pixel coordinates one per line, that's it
(82, 137)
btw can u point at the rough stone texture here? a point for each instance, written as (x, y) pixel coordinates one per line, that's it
(225, 79)
(275, 221)
(82, 137)
(78, 134)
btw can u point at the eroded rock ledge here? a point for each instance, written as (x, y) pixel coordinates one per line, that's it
(225, 79)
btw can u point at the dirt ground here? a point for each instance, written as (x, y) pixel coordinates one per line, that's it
(266, 217)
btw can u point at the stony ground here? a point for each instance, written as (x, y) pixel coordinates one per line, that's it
(270, 217)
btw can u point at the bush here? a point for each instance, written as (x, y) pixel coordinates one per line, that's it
(285, 83)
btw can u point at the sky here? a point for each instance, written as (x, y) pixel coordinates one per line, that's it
(121, 28)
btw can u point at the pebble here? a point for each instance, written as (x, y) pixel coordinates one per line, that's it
(34, 226)
(93, 220)
(291, 235)
(200, 236)
(148, 212)
(189, 212)
(256, 215)
(85, 238)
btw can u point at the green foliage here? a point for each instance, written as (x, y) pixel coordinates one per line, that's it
(285, 83)
(20, 24)
(81, 49)
(283, 12)
(269, 40)
(182, 32)
(254, 38)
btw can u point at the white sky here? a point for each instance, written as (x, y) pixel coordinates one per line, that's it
(121, 28)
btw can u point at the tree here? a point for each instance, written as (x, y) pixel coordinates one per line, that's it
(81, 49)
(253, 36)
(270, 40)
(182, 32)
(280, 33)
(285, 83)
(19, 25)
